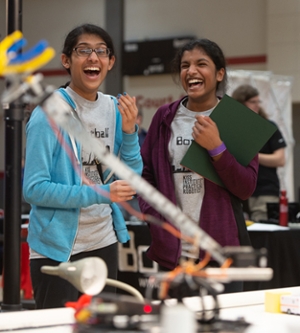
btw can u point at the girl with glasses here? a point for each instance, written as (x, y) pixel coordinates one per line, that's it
(75, 215)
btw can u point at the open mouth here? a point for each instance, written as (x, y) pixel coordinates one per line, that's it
(194, 83)
(92, 71)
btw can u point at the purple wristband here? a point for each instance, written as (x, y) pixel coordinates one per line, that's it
(217, 151)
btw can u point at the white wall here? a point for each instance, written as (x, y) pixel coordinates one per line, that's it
(283, 40)
(52, 20)
(237, 26)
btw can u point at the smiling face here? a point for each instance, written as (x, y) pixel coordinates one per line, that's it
(199, 78)
(87, 72)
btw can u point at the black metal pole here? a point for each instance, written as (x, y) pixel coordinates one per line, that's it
(114, 14)
(13, 116)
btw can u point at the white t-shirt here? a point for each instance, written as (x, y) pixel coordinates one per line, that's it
(189, 186)
(95, 222)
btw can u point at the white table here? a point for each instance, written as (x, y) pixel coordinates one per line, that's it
(38, 321)
(248, 305)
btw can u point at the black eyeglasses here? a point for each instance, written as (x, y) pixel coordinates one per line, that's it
(85, 52)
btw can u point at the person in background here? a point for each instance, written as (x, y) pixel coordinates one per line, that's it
(271, 156)
(201, 68)
(142, 131)
(74, 214)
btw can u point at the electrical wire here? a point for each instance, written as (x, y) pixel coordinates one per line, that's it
(126, 287)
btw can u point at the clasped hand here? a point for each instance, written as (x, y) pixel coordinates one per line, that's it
(120, 191)
(206, 133)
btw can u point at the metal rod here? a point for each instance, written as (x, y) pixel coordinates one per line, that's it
(13, 116)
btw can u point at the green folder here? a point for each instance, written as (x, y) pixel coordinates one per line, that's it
(243, 131)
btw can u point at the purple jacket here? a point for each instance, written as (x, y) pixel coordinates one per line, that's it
(221, 214)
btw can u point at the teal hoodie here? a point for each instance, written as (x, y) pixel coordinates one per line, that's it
(54, 187)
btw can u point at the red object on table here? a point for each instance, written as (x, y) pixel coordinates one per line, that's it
(283, 209)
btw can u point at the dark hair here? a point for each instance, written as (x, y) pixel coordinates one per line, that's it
(65, 85)
(90, 29)
(212, 50)
(244, 92)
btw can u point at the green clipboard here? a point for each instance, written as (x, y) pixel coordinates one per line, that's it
(243, 131)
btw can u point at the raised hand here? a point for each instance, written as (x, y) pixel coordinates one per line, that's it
(128, 109)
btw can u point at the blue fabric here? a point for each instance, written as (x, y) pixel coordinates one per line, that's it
(54, 187)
